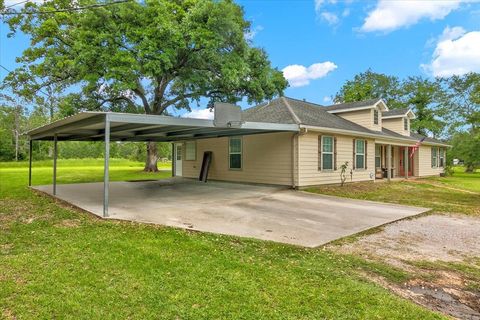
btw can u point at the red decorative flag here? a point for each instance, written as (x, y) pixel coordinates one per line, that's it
(416, 146)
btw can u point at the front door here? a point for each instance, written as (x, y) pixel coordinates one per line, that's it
(178, 159)
(402, 162)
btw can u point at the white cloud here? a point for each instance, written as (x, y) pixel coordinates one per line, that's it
(331, 11)
(389, 15)
(253, 32)
(298, 75)
(330, 17)
(318, 4)
(199, 114)
(327, 99)
(457, 52)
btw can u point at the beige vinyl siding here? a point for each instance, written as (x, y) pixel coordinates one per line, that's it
(361, 117)
(424, 163)
(266, 158)
(396, 125)
(309, 174)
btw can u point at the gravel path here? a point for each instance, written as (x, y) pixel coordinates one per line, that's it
(431, 238)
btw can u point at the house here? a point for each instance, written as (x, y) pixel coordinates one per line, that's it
(374, 142)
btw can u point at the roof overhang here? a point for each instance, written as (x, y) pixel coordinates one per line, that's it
(90, 126)
(380, 104)
(379, 138)
(409, 114)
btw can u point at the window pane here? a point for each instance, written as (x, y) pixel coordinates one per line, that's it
(235, 145)
(190, 150)
(359, 162)
(405, 124)
(179, 152)
(375, 116)
(327, 144)
(377, 162)
(236, 161)
(360, 146)
(378, 150)
(327, 161)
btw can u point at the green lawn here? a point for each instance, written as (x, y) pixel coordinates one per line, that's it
(56, 262)
(459, 193)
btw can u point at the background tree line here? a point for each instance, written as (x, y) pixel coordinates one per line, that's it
(446, 108)
(156, 57)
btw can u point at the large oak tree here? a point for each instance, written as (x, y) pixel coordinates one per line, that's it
(144, 57)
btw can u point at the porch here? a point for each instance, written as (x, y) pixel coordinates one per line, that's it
(394, 161)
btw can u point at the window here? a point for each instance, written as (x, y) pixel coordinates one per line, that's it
(190, 150)
(434, 157)
(405, 124)
(378, 156)
(179, 152)
(442, 157)
(235, 153)
(360, 154)
(327, 153)
(375, 116)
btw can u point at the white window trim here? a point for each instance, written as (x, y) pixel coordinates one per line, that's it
(379, 156)
(441, 158)
(240, 153)
(186, 150)
(432, 157)
(360, 154)
(332, 153)
(375, 111)
(405, 122)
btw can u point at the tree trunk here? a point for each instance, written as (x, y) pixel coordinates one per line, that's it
(152, 157)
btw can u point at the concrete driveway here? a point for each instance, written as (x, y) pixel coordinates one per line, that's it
(262, 212)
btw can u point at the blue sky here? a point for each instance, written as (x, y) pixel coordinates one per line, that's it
(322, 43)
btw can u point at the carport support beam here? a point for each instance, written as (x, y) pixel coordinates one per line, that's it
(106, 167)
(30, 147)
(55, 151)
(389, 162)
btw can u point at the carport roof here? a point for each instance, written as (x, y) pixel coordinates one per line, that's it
(90, 126)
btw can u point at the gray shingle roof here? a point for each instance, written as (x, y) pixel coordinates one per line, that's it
(291, 111)
(352, 105)
(395, 112)
(308, 113)
(418, 136)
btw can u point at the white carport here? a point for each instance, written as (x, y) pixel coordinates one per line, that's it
(111, 126)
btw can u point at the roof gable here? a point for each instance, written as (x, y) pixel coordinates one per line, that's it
(398, 113)
(357, 105)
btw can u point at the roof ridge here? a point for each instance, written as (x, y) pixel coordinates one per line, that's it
(289, 108)
(353, 102)
(305, 101)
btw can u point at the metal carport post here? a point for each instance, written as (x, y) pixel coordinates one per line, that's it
(30, 147)
(106, 166)
(55, 151)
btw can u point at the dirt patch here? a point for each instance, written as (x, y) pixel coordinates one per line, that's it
(430, 238)
(440, 185)
(426, 247)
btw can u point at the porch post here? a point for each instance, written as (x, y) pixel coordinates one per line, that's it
(55, 150)
(405, 162)
(389, 162)
(106, 167)
(30, 163)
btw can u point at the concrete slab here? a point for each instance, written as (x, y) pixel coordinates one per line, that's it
(262, 212)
